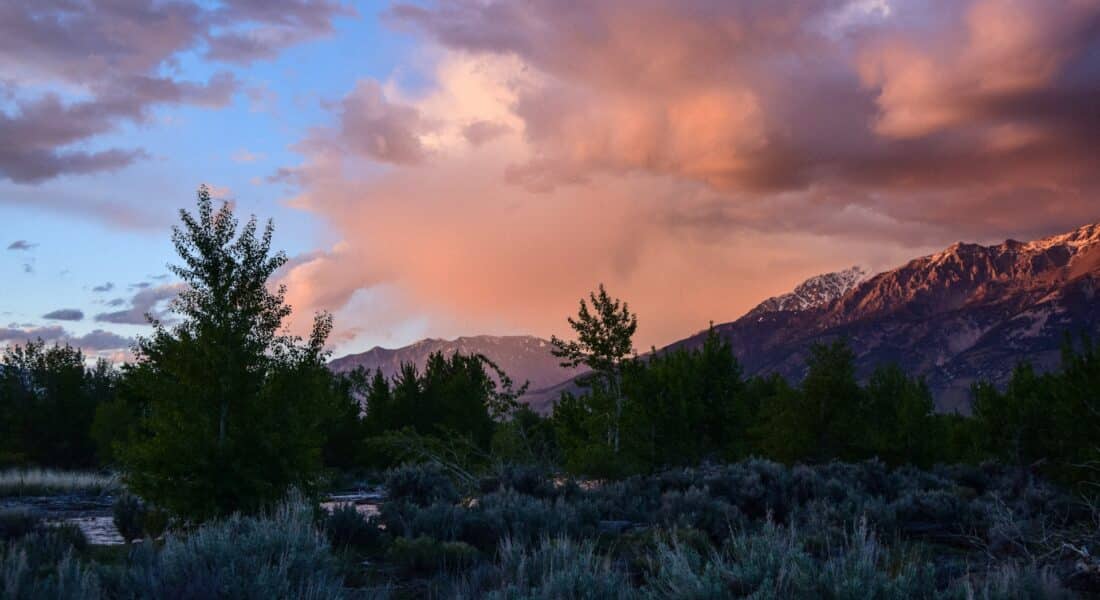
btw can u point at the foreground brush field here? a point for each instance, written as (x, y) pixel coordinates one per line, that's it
(753, 529)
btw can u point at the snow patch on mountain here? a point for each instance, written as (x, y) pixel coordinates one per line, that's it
(814, 292)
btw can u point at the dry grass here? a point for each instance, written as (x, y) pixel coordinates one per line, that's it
(43, 482)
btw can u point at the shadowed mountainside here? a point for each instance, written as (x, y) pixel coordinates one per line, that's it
(967, 313)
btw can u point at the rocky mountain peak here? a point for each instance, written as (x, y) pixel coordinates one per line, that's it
(814, 292)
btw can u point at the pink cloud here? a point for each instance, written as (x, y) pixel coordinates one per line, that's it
(695, 156)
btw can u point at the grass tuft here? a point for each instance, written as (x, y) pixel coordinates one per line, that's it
(42, 482)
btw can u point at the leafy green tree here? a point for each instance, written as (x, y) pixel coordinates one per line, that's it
(231, 410)
(684, 405)
(343, 426)
(457, 396)
(898, 422)
(818, 421)
(604, 344)
(1052, 419)
(48, 400)
(381, 414)
(525, 437)
(1016, 423)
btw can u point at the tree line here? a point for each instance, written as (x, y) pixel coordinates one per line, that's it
(221, 411)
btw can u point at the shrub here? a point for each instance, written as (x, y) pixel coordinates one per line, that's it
(68, 535)
(345, 526)
(1011, 581)
(425, 555)
(280, 555)
(42, 565)
(773, 563)
(129, 516)
(697, 508)
(421, 485)
(556, 568)
(930, 513)
(524, 479)
(155, 522)
(17, 522)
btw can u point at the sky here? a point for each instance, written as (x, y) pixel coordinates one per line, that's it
(439, 168)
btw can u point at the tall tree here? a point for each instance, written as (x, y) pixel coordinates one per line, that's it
(820, 420)
(231, 408)
(48, 399)
(604, 343)
(898, 419)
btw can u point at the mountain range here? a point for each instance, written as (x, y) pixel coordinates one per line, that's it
(522, 357)
(967, 313)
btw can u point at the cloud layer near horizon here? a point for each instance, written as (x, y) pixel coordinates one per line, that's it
(693, 155)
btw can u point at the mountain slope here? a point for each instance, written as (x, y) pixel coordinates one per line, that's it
(812, 293)
(970, 312)
(522, 357)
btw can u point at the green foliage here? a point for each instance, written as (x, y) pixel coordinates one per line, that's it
(420, 485)
(129, 514)
(898, 421)
(342, 423)
(424, 555)
(450, 412)
(604, 344)
(48, 400)
(679, 407)
(135, 519)
(231, 410)
(345, 526)
(687, 405)
(525, 437)
(1052, 419)
(819, 420)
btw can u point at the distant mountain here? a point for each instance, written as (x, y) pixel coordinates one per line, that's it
(970, 312)
(967, 313)
(812, 293)
(522, 357)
